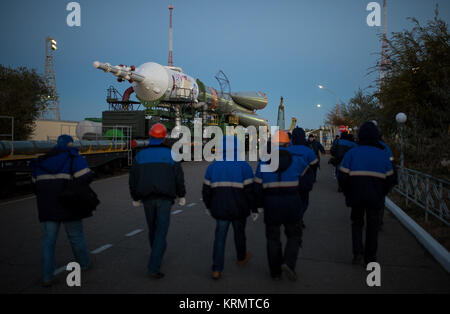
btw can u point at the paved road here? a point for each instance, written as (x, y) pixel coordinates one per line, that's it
(324, 264)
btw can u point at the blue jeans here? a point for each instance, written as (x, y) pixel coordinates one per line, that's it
(74, 230)
(220, 241)
(157, 213)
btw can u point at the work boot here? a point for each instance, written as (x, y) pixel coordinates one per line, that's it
(357, 259)
(276, 277)
(216, 275)
(246, 259)
(48, 284)
(157, 275)
(292, 276)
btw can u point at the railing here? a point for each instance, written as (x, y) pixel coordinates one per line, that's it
(428, 192)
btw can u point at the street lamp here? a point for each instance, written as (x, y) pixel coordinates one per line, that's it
(401, 119)
(319, 105)
(337, 99)
(333, 93)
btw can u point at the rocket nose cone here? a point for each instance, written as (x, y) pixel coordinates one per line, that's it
(96, 64)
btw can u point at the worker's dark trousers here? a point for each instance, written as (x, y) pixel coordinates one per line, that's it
(382, 216)
(373, 220)
(157, 213)
(315, 169)
(275, 254)
(304, 196)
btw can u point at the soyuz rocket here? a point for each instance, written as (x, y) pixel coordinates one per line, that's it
(168, 84)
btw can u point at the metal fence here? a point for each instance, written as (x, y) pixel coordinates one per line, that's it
(428, 192)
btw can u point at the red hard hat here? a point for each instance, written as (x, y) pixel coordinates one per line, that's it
(158, 131)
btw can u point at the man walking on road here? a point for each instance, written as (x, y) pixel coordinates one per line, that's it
(156, 180)
(318, 148)
(366, 177)
(338, 151)
(278, 193)
(51, 174)
(228, 195)
(300, 148)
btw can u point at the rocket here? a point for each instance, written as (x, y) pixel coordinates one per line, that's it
(168, 84)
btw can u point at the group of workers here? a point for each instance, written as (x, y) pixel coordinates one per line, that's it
(231, 192)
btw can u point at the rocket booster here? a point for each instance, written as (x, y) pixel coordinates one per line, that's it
(154, 82)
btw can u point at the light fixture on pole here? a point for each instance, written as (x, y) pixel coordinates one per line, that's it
(401, 119)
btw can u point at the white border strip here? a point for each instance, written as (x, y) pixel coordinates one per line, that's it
(439, 252)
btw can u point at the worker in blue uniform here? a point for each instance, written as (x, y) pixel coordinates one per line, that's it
(278, 193)
(50, 175)
(339, 149)
(318, 148)
(156, 180)
(300, 148)
(228, 195)
(366, 177)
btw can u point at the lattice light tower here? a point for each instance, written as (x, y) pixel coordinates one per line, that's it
(51, 111)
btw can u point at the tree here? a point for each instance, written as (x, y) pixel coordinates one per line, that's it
(417, 82)
(22, 95)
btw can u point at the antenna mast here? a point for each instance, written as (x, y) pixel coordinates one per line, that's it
(170, 62)
(384, 58)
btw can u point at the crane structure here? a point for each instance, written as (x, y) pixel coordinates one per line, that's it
(51, 110)
(293, 124)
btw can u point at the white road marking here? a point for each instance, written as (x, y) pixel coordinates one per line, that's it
(191, 204)
(101, 249)
(59, 270)
(132, 233)
(176, 211)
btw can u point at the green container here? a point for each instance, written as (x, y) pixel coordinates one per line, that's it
(113, 134)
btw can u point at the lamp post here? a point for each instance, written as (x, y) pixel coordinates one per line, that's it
(401, 119)
(337, 102)
(333, 93)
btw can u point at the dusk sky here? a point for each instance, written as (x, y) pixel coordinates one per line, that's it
(283, 48)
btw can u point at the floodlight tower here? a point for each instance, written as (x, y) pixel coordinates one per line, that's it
(51, 111)
(170, 62)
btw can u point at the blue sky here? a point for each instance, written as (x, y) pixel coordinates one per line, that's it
(284, 48)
